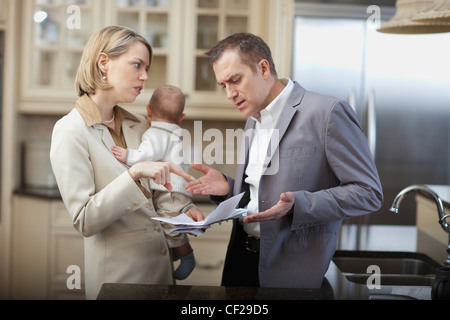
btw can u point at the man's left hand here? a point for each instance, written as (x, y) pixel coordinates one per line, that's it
(282, 208)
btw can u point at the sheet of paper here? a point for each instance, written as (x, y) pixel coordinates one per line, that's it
(226, 210)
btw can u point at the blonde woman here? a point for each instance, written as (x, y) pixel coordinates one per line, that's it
(109, 203)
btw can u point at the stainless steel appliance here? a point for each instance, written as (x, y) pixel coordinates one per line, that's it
(399, 86)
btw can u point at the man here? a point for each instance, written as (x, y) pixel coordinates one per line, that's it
(318, 171)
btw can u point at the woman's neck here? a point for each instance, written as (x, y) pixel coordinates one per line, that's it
(105, 104)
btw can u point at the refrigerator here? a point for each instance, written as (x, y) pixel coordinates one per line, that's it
(398, 85)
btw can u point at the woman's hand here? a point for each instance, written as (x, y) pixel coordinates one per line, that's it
(212, 183)
(195, 214)
(158, 171)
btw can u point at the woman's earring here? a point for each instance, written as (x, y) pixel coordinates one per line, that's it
(104, 77)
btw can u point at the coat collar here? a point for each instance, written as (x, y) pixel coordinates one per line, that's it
(285, 118)
(91, 114)
(92, 118)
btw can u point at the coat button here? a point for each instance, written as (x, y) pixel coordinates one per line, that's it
(164, 252)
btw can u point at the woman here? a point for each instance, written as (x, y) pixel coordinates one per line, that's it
(108, 202)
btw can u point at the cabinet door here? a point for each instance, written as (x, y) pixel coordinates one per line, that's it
(3, 10)
(159, 21)
(208, 22)
(54, 35)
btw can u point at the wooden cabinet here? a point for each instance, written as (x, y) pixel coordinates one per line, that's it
(44, 245)
(180, 31)
(3, 11)
(427, 218)
(208, 21)
(54, 33)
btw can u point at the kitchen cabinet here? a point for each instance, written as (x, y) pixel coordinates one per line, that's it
(3, 11)
(44, 245)
(180, 31)
(427, 213)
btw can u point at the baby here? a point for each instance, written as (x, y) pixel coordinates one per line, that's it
(159, 143)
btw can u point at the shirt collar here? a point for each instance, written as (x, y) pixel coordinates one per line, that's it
(272, 112)
(91, 114)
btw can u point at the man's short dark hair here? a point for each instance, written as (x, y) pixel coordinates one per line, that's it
(251, 48)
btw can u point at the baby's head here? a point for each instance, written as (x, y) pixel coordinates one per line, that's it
(167, 104)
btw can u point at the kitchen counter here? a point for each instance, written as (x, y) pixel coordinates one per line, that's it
(48, 194)
(336, 285)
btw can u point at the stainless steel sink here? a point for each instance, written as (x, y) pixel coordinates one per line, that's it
(397, 268)
(395, 279)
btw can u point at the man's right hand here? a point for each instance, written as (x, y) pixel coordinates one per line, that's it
(212, 183)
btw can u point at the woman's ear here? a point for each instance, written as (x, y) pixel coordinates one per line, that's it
(102, 62)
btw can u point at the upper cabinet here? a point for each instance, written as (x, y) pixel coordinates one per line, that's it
(3, 11)
(54, 35)
(180, 32)
(208, 21)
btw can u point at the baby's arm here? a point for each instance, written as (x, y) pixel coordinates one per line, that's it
(120, 153)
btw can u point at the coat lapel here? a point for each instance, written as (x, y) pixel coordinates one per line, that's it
(286, 116)
(243, 155)
(131, 136)
(105, 136)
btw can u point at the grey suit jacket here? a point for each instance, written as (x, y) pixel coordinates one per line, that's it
(323, 157)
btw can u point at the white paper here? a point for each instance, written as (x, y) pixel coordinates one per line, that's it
(226, 210)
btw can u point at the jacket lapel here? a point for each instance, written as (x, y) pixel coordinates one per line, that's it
(286, 116)
(131, 136)
(104, 135)
(243, 155)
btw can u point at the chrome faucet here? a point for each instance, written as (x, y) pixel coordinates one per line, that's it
(440, 207)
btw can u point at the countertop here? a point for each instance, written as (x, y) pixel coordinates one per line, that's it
(336, 285)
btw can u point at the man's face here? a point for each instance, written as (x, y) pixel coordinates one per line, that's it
(247, 89)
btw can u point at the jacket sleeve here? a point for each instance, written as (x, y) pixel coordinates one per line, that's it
(358, 190)
(92, 208)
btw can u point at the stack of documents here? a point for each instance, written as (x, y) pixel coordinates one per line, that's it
(226, 210)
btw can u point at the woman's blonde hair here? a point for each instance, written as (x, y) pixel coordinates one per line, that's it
(112, 41)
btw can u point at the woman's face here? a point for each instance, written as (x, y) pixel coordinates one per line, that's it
(128, 73)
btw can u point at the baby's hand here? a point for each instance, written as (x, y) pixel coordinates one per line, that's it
(120, 153)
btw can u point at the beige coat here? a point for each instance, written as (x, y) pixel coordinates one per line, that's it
(122, 243)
